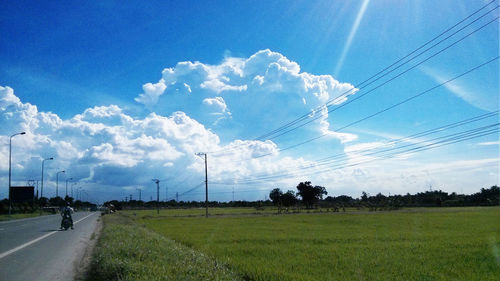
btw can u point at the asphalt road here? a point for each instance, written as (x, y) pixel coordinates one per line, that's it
(35, 249)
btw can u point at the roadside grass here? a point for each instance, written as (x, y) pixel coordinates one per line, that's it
(128, 251)
(22, 216)
(420, 244)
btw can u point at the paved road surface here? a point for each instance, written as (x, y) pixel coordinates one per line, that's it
(35, 249)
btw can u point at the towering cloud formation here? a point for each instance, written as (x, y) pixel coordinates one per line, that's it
(196, 107)
(262, 92)
(108, 148)
(112, 149)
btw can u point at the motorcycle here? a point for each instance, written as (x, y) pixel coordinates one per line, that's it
(66, 223)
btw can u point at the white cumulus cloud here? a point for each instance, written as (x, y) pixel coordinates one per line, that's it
(111, 150)
(262, 91)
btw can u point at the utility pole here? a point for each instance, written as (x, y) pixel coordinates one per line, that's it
(233, 194)
(157, 181)
(177, 197)
(206, 183)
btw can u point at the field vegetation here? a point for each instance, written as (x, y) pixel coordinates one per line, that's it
(128, 251)
(415, 244)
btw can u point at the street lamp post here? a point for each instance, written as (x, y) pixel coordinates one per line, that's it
(43, 162)
(57, 182)
(10, 167)
(86, 195)
(67, 185)
(73, 184)
(78, 193)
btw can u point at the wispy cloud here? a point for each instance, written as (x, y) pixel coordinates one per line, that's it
(489, 143)
(464, 92)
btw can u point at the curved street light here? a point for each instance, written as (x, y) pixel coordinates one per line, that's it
(78, 194)
(10, 167)
(73, 184)
(57, 182)
(67, 185)
(43, 162)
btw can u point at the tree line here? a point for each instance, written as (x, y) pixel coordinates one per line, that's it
(308, 196)
(37, 203)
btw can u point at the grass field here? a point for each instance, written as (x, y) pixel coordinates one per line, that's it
(420, 244)
(194, 212)
(200, 212)
(127, 251)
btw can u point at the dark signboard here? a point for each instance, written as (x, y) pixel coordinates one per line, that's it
(19, 194)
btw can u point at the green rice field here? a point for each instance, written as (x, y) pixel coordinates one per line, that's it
(425, 244)
(414, 244)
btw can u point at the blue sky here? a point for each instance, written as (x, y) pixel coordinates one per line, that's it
(79, 72)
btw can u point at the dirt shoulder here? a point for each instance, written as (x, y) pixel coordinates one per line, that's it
(82, 264)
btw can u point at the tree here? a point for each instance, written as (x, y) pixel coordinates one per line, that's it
(364, 197)
(289, 199)
(275, 196)
(310, 194)
(68, 199)
(57, 201)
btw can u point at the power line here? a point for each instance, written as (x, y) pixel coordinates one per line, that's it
(338, 167)
(434, 171)
(373, 150)
(383, 110)
(393, 142)
(424, 133)
(308, 115)
(359, 86)
(384, 83)
(188, 191)
(438, 170)
(440, 141)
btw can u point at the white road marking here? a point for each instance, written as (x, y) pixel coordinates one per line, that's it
(4, 254)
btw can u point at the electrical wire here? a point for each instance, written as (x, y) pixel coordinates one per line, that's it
(305, 116)
(441, 141)
(384, 83)
(360, 85)
(381, 111)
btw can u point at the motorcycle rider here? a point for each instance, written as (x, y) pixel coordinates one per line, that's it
(66, 213)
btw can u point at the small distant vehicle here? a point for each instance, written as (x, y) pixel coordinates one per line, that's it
(66, 223)
(67, 220)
